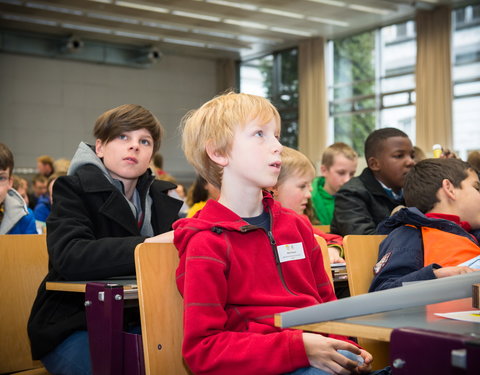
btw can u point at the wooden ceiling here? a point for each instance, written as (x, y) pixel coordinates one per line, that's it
(210, 28)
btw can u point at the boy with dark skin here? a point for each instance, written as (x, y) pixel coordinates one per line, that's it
(364, 201)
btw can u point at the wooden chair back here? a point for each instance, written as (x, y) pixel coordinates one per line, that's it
(361, 252)
(24, 265)
(161, 308)
(323, 228)
(326, 258)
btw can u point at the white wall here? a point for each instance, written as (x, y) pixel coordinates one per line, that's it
(48, 106)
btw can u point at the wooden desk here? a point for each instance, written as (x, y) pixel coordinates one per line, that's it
(81, 286)
(380, 326)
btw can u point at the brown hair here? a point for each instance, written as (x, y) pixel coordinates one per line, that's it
(425, 178)
(125, 118)
(6, 159)
(474, 160)
(45, 159)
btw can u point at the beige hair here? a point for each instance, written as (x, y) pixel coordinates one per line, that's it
(213, 125)
(339, 148)
(294, 163)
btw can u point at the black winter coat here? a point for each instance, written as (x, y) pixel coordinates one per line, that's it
(360, 205)
(91, 235)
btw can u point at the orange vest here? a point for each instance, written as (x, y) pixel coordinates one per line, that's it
(446, 249)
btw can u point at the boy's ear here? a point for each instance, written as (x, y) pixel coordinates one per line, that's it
(323, 169)
(373, 163)
(215, 155)
(448, 189)
(99, 148)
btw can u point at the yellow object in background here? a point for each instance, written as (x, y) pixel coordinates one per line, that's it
(437, 150)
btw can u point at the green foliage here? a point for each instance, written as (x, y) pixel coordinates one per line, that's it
(354, 76)
(280, 76)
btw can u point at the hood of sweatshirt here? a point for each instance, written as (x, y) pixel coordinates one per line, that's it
(15, 209)
(84, 155)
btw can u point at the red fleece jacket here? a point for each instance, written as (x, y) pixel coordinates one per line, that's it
(232, 286)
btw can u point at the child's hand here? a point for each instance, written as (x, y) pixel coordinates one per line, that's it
(452, 271)
(367, 363)
(166, 237)
(322, 354)
(334, 255)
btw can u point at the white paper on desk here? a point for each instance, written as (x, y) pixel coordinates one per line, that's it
(472, 263)
(465, 316)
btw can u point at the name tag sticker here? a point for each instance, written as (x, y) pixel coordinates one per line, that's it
(292, 251)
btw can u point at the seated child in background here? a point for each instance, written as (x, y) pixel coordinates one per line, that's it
(234, 272)
(39, 188)
(45, 165)
(364, 201)
(21, 186)
(339, 163)
(198, 194)
(440, 229)
(107, 204)
(15, 216)
(44, 204)
(293, 190)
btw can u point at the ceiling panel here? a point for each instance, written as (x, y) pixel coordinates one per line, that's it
(212, 28)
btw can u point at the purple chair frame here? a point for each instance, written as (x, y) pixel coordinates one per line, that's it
(112, 351)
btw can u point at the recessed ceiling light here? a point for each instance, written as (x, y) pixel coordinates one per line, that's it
(204, 17)
(254, 25)
(233, 4)
(291, 31)
(282, 13)
(141, 6)
(328, 21)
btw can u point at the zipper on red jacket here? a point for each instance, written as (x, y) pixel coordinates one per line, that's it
(273, 244)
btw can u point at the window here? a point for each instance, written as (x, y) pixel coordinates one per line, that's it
(466, 79)
(372, 83)
(275, 77)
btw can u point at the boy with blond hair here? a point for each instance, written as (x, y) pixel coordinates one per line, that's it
(438, 234)
(339, 164)
(235, 272)
(293, 191)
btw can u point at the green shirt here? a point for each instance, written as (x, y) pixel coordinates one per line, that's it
(323, 202)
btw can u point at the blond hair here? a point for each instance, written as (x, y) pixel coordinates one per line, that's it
(339, 148)
(213, 125)
(294, 163)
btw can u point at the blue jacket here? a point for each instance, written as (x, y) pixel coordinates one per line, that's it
(400, 257)
(42, 208)
(17, 217)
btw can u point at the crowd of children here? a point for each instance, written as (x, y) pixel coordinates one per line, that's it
(248, 235)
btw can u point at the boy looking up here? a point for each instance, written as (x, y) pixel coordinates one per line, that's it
(439, 231)
(235, 271)
(107, 204)
(364, 201)
(15, 217)
(339, 164)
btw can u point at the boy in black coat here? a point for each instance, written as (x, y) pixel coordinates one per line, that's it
(107, 204)
(364, 201)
